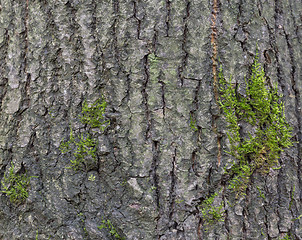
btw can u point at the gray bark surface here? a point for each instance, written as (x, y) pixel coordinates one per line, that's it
(153, 170)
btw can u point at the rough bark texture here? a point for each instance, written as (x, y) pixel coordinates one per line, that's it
(153, 170)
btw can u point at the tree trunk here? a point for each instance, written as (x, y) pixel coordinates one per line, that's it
(156, 65)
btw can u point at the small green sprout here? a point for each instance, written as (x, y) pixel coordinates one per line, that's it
(287, 237)
(298, 218)
(153, 188)
(193, 124)
(91, 178)
(260, 193)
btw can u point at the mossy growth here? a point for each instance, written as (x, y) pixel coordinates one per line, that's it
(15, 185)
(261, 113)
(287, 237)
(65, 147)
(211, 213)
(193, 125)
(153, 66)
(112, 230)
(93, 114)
(84, 146)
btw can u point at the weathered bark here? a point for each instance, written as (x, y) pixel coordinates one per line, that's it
(153, 170)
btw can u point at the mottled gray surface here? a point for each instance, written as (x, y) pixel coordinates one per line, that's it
(153, 170)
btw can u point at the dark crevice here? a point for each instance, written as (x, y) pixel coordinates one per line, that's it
(226, 215)
(297, 106)
(241, 34)
(168, 9)
(77, 63)
(193, 117)
(116, 7)
(25, 87)
(183, 46)
(214, 35)
(137, 19)
(259, 7)
(154, 40)
(214, 44)
(192, 79)
(146, 65)
(97, 56)
(26, 36)
(266, 221)
(209, 176)
(196, 95)
(294, 21)
(163, 96)
(155, 181)
(193, 161)
(172, 193)
(155, 159)
(272, 42)
(24, 104)
(199, 229)
(145, 96)
(114, 30)
(126, 99)
(273, 37)
(3, 67)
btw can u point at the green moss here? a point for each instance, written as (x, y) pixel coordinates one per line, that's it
(210, 212)
(84, 146)
(65, 146)
(193, 124)
(15, 185)
(94, 114)
(112, 230)
(287, 237)
(298, 218)
(260, 193)
(153, 66)
(261, 112)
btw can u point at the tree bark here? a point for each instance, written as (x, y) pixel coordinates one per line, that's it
(156, 64)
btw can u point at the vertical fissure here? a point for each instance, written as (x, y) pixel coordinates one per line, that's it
(156, 151)
(214, 44)
(194, 117)
(163, 96)
(214, 36)
(193, 160)
(145, 96)
(168, 9)
(155, 182)
(297, 106)
(172, 193)
(137, 19)
(3, 67)
(26, 89)
(184, 43)
(199, 229)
